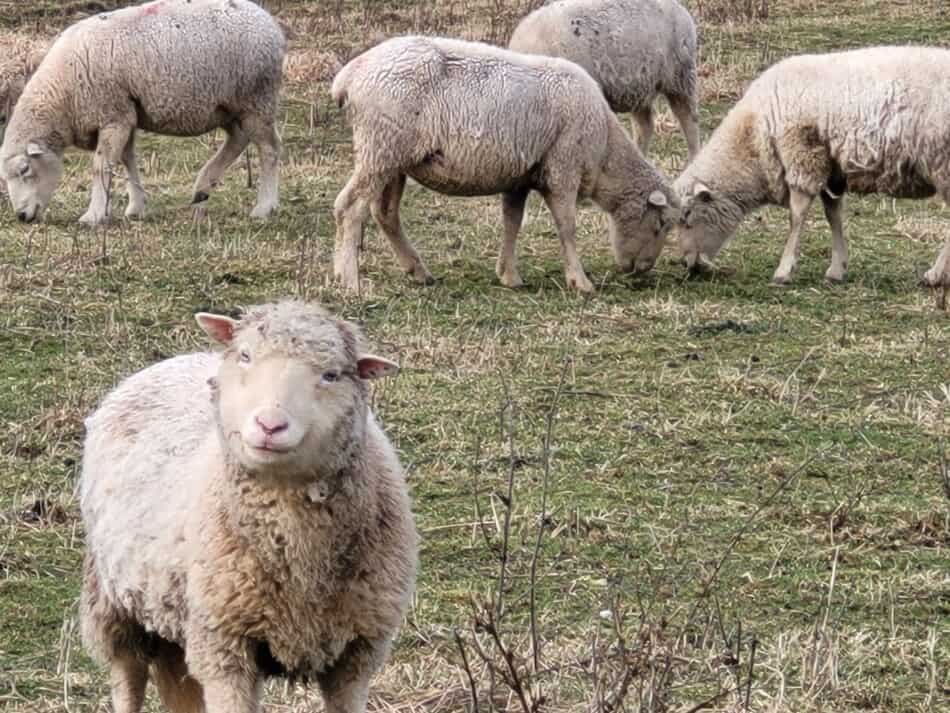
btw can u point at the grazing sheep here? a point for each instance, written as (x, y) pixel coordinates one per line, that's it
(175, 67)
(869, 121)
(467, 119)
(245, 517)
(19, 58)
(635, 49)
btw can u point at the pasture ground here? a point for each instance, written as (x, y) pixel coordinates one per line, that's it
(748, 503)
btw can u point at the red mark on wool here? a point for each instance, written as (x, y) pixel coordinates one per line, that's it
(152, 7)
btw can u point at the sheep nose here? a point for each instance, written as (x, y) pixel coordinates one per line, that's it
(22, 216)
(271, 422)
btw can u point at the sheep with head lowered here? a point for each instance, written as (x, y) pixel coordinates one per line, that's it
(868, 121)
(635, 49)
(174, 67)
(468, 119)
(245, 517)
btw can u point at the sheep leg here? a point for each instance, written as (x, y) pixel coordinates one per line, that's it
(798, 205)
(133, 181)
(350, 210)
(512, 213)
(839, 246)
(268, 147)
(232, 694)
(129, 676)
(385, 210)
(345, 686)
(686, 113)
(939, 274)
(564, 209)
(209, 175)
(109, 150)
(642, 121)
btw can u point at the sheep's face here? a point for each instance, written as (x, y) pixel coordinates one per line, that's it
(291, 391)
(31, 176)
(707, 221)
(637, 238)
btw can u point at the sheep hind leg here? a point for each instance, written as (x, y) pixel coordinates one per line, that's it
(798, 204)
(834, 208)
(209, 175)
(345, 686)
(686, 113)
(385, 210)
(512, 213)
(268, 147)
(180, 692)
(129, 674)
(136, 207)
(642, 121)
(939, 274)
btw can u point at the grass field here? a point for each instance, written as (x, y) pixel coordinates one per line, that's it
(748, 498)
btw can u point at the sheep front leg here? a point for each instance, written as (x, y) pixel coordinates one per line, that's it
(798, 204)
(136, 207)
(109, 150)
(129, 675)
(268, 147)
(512, 213)
(345, 686)
(234, 693)
(839, 246)
(385, 210)
(563, 207)
(939, 274)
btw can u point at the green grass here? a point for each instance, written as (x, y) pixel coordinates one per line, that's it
(790, 437)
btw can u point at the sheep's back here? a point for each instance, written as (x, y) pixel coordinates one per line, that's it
(187, 66)
(632, 48)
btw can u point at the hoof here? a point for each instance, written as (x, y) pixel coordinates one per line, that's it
(200, 197)
(581, 284)
(92, 220)
(261, 212)
(512, 281)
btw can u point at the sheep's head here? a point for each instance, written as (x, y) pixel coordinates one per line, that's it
(707, 221)
(31, 173)
(637, 235)
(291, 391)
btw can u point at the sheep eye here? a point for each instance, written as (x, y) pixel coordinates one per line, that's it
(24, 170)
(329, 377)
(244, 356)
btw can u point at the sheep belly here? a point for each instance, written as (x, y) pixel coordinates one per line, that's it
(462, 174)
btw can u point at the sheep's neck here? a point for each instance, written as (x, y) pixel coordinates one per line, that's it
(624, 174)
(43, 118)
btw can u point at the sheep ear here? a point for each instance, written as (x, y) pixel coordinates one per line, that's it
(34, 149)
(657, 199)
(701, 191)
(217, 326)
(370, 366)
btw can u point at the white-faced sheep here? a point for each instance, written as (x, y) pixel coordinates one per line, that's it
(635, 49)
(175, 67)
(245, 516)
(465, 118)
(868, 121)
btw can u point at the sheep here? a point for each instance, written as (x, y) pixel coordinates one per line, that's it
(174, 67)
(466, 118)
(21, 56)
(868, 121)
(635, 50)
(245, 517)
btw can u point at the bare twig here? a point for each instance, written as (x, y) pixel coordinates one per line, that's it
(545, 484)
(468, 670)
